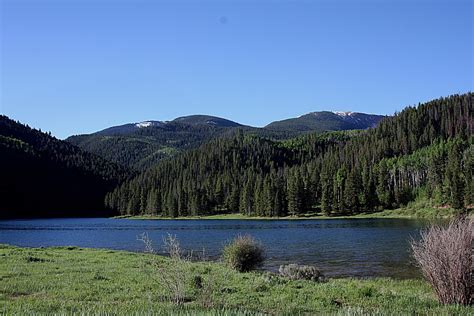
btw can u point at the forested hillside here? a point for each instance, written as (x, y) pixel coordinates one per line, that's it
(142, 148)
(42, 176)
(141, 145)
(424, 151)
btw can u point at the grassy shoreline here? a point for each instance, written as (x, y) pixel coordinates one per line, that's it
(77, 280)
(402, 213)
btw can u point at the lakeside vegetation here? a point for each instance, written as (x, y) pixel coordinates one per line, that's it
(414, 210)
(76, 280)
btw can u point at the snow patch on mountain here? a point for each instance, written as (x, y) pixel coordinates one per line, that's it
(147, 124)
(343, 114)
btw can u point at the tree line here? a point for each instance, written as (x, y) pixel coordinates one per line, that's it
(422, 152)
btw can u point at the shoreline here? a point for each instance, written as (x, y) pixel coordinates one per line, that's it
(425, 214)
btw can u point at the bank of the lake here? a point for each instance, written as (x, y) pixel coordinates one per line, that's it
(76, 280)
(407, 213)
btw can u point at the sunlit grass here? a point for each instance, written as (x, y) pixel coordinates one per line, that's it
(75, 280)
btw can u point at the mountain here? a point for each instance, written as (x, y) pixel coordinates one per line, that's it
(206, 120)
(326, 121)
(189, 121)
(142, 145)
(42, 176)
(424, 152)
(128, 128)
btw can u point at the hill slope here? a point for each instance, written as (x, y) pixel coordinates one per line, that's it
(43, 176)
(142, 145)
(424, 151)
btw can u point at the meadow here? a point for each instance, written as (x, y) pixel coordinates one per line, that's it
(78, 280)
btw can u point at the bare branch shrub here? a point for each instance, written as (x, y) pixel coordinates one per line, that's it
(172, 247)
(173, 277)
(445, 256)
(147, 242)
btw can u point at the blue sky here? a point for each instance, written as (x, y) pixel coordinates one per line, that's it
(74, 67)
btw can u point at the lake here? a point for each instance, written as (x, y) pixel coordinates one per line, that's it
(339, 247)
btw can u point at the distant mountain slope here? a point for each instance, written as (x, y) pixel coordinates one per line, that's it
(141, 145)
(176, 124)
(326, 121)
(42, 176)
(206, 120)
(128, 128)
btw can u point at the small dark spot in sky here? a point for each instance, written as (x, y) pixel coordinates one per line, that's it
(223, 20)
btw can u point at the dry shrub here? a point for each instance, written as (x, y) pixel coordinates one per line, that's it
(300, 272)
(445, 257)
(173, 277)
(244, 253)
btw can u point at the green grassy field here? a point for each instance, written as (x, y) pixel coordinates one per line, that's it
(75, 280)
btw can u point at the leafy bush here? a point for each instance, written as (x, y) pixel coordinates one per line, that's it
(300, 272)
(445, 257)
(244, 254)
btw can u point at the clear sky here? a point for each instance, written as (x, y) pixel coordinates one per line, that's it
(78, 66)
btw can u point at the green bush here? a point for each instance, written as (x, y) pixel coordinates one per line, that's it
(244, 254)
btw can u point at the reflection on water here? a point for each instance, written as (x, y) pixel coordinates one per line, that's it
(345, 247)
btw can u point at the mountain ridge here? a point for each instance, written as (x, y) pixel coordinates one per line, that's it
(140, 145)
(211, 120)
(327, 120)
(188, 120)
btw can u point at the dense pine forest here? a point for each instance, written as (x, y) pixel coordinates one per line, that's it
(423, 152)
(42, 176)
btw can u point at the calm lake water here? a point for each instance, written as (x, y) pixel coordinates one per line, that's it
(345, 247)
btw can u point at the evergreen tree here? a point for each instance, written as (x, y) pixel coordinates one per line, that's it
(295, 193)
(454, 177)
(383, 189)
